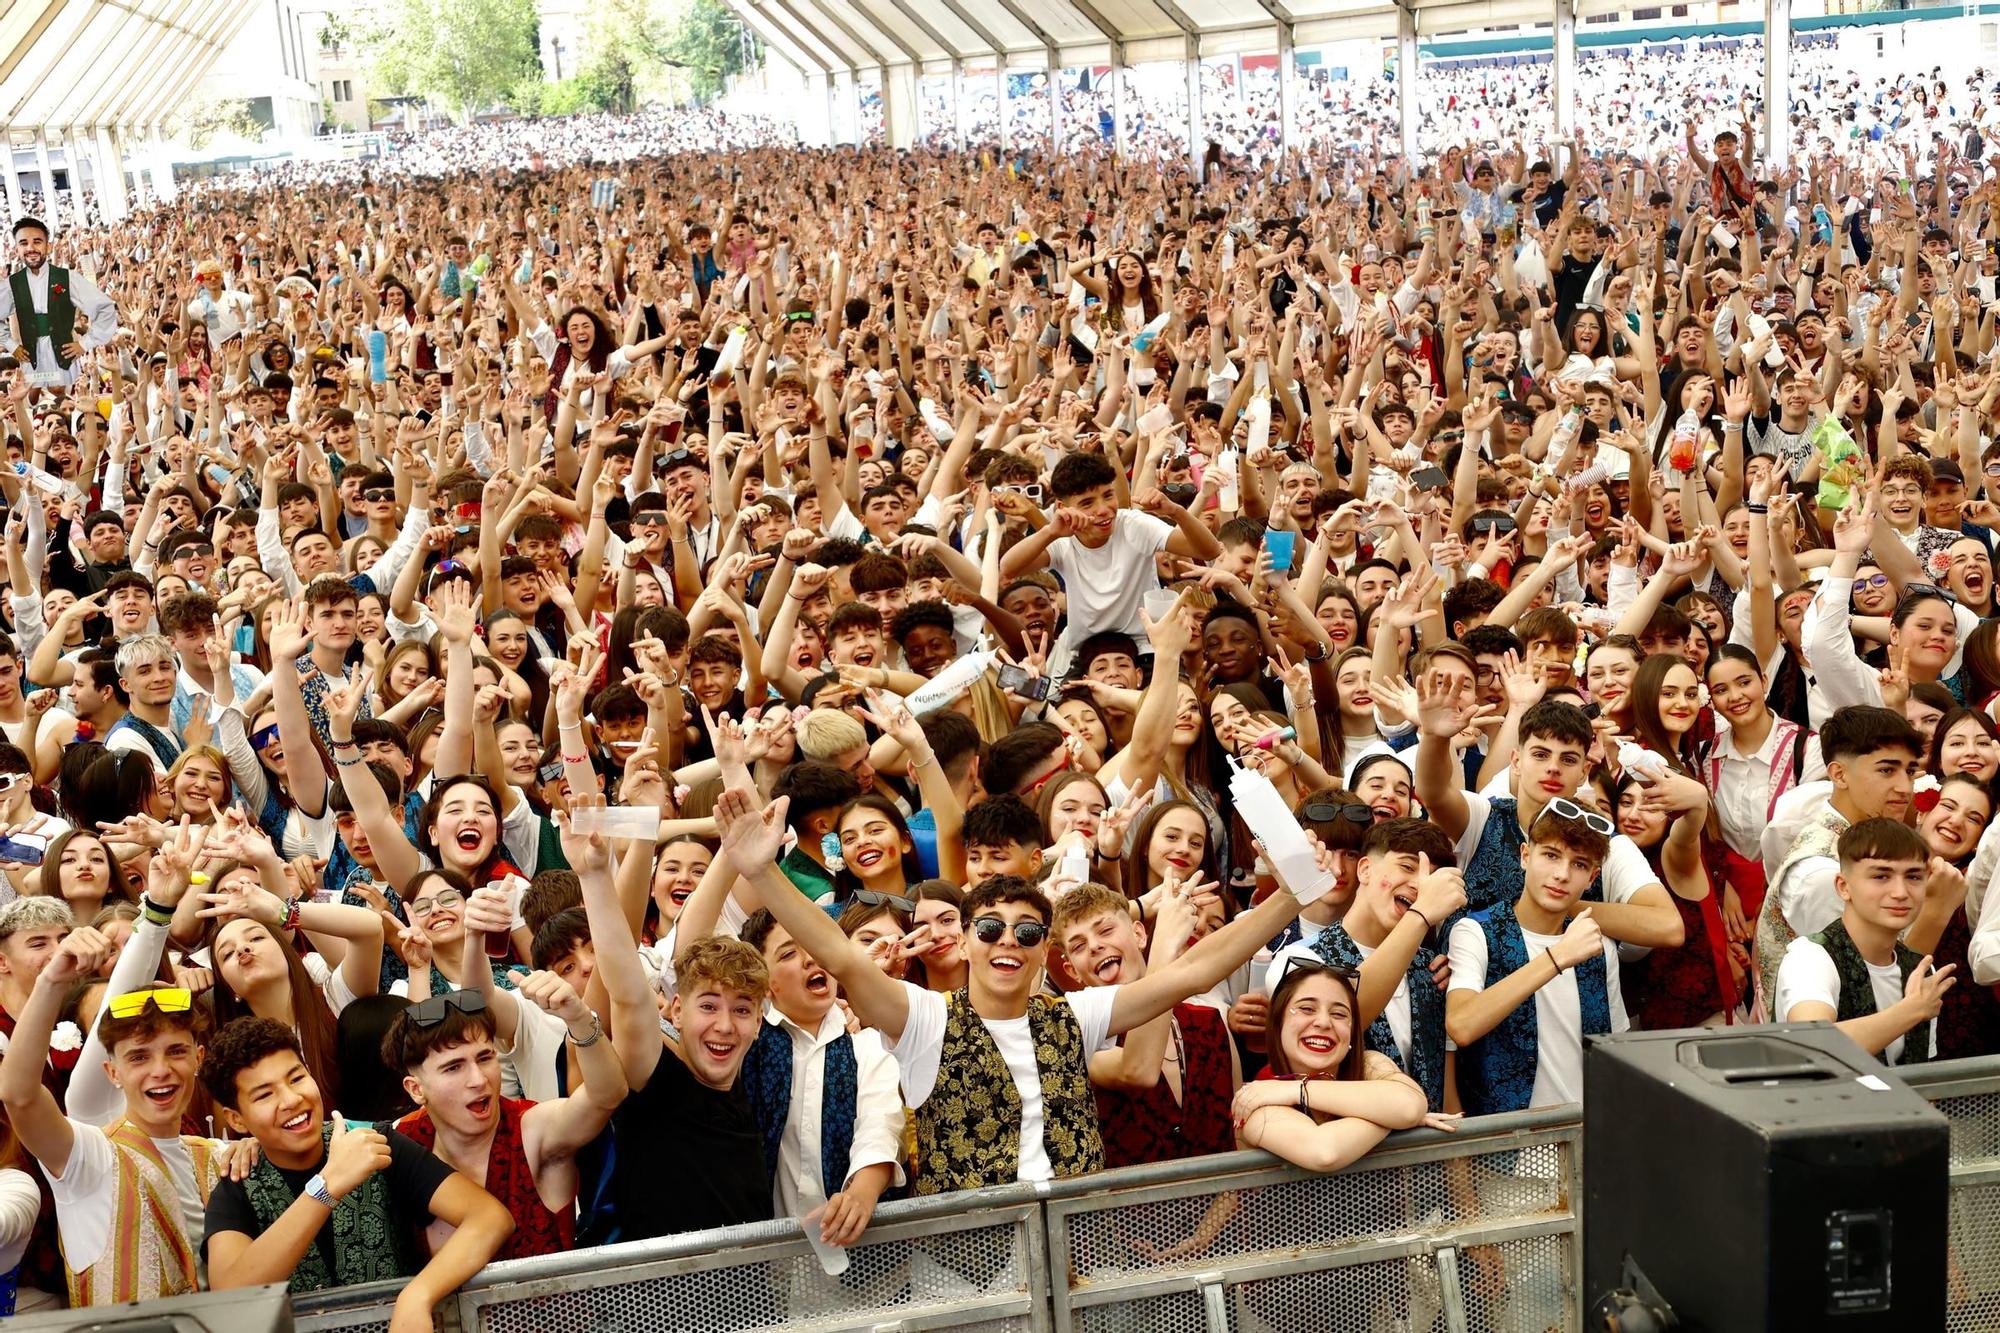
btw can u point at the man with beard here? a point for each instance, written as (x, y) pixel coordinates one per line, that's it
(44, 299)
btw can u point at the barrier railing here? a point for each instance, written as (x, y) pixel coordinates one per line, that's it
(1475, 1230)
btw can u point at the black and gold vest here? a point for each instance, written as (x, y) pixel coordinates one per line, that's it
(969, 1128)
(1857, 990)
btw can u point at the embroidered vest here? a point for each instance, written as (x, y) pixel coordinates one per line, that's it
(150, 1254)
(368, 1242)
(1497, 1072)
(767, 1080)
(538, 1229)
(57, 323)
(165, 747)
(1426, 1062)
(969, 1128)
(1857, 992)
(1969, 1022)
(1150, 1126)
(1819, 837)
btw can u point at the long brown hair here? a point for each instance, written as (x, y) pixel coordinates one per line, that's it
(1281, 1000)
(1645, 711)
(319, 1036)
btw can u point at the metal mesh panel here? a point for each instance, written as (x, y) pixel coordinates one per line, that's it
(1975, 1128)
(1973, 1276)
(364, 1321)
(1181, 1312)
(1390, 1296)
(968, 1269)
(1320, 1213)
(1522, 1286)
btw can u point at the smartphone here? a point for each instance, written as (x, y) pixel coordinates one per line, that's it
(1278, 543)
(1429, 479)
(22, 851)
(1015, 680)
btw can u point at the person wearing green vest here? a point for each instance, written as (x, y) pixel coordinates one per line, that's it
(44, 300)
(1857, 973)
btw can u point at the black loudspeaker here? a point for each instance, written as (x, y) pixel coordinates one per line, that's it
(266, 1309)
(1775, 1177)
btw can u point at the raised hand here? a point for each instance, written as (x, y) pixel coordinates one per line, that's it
(1440, 891)
(1439, 710)
(352, 1155)
(553, 995)
(1580, 941)
(1923, 992)
(751, 837)
(455, 617)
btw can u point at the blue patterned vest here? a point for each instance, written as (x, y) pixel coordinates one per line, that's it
(1426, 1062)
(767, 1081)
(1497, 1072)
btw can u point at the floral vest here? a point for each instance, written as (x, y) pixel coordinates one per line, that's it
(1819, 837)
(1426, 1062)
(150, 1255)
(538, 1229)
(1857, 992)
(1497, 1072)
(969, 1128)
(368, 1239)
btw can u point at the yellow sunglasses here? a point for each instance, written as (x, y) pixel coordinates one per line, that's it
(168, 1000)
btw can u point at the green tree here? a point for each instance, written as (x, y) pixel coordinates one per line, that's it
(707, 44)
(466, 55)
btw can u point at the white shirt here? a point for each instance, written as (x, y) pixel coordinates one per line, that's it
(800, 1183)
(1807, 974)
(1842, 677)
(1743, 792)
(20, 1205)
(922, 1042)
(1106, 586)
(86, 1193)
(1558, 1009)
(1624, 873)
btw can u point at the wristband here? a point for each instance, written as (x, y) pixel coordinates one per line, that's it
(1756, 509)
(1429, 925)
(576, 759)
(1305, 1105)
(291, 919)
(1552, 960)
(349, 763)
(153, 912)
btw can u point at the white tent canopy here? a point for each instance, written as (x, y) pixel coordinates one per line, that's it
(95, 75)
(832, 41)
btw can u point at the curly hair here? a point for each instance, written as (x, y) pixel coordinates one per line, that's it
(726, 964)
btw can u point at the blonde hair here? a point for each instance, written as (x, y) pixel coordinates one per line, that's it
(210, 753)
(725, 963)
(1087, 902)
(825, 733)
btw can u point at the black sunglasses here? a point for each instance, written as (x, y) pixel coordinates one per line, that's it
(1027, 934)
(877, 899)
(1491, 523)
(1325, 812)
(429, 1013)
(1917, 592)
(379, 494)
(1303, 962)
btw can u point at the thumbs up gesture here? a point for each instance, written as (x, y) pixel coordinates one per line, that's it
(352, 1155)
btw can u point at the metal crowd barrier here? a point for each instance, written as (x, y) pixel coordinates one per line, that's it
(1478, 1230)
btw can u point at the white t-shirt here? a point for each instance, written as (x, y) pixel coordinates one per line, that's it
(86, 1193)
(1106, 586)
(922, 1042)
(1558, 1010)
(1807, 974)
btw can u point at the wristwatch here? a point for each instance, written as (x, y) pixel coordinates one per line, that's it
(316, 1189)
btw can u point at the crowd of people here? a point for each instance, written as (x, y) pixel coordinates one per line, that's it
(538, 715)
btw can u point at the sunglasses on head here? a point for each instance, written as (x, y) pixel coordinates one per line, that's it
(429, 1013)
(167, 999)
(1027, 934)
(1308, 964)
(1326, 812)
(874, 898)
(1563, 808)
(1917, 592)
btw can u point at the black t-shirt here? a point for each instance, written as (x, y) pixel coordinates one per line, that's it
(1571, 277)
(413, 1176)
(689, 1158)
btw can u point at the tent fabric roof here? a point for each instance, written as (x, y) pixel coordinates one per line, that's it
(108, 63)
(826, 36)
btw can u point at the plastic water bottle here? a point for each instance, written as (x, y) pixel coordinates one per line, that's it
(378, 356)
(1681, 449)
(949, 683)
(1426, 229)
